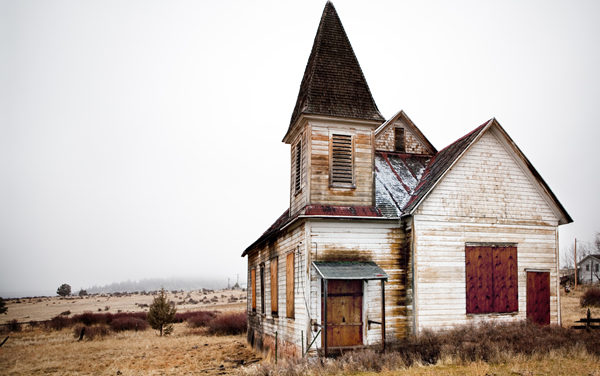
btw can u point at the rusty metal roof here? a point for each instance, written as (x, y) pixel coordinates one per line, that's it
(349, 270)
(314, 211)
(342, 211)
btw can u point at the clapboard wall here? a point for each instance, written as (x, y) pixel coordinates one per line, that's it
(488, 196)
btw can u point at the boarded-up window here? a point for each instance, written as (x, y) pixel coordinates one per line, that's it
(274, 287)
(298, 168)
(289, 285)
(399, 139)
(262, 288)
(491, 276)
(253, 287)
(341, 160)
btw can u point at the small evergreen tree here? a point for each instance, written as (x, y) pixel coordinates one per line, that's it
(162, 313)
(3, 307)
(64, 290)
(82, 292)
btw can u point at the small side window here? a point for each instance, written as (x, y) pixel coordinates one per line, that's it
(253, 287)
(399, 139)
(262, 288)
(298, 168)
(274, 286)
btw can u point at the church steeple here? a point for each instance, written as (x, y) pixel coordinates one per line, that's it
(333, 83)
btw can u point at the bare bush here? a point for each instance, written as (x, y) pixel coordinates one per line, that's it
(591, 297)
(228, 323)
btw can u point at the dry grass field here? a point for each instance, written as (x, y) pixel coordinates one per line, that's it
(191, 351)
(187, 351)
(570, 308)
(44, 308)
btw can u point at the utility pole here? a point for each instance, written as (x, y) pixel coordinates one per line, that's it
(575, 258)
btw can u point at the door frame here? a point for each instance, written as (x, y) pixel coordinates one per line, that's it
(324, 286)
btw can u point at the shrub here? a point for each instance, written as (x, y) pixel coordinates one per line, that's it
(591, 297)
(82, 292)
(90, 318)
(162, 313)
(59, 322)
(228, 323)
(14, 326)
(64, 290)
(3, 307)
(200, 318)
(65, 313)
(488, 342)
(128, 323)
(90, 332)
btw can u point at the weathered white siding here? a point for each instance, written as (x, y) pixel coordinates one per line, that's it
(382, 242)
(486, 197)
(265, 325)
(299, 199)
(488, 183)
(320, 190)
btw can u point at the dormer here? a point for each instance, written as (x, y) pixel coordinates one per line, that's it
(331, 128)
(400, 135)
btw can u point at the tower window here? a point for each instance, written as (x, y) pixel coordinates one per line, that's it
(341, 160)
(298, 168)
(399, 139)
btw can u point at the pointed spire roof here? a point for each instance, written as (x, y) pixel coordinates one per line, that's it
(333, 83)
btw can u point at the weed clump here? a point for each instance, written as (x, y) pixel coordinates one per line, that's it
(228, 323)
(488, 342)
(90, 332)
(128, 323)
(14, 326)
(197, 319)
(591, 297)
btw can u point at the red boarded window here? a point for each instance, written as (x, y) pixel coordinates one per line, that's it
(492, 285)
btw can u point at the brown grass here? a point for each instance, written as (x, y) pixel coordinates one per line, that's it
(37, 351)
(571, 307)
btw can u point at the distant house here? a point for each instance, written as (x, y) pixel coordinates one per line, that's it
(588, 269)
(385, 236)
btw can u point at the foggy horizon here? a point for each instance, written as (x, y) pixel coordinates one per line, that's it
(142, 139)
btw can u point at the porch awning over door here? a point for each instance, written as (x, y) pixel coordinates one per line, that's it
(349, 270)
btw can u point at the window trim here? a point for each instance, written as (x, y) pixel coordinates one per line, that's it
(262, 288)
(274, 269)
(253, 284)
(341, 184)
(290, 309)
(298, 167)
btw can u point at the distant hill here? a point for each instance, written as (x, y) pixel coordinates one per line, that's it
(151, 284)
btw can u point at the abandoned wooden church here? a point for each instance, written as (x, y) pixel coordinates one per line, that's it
(385, 236)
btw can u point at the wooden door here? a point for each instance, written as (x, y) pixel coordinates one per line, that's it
(538, 297)
(344, 313)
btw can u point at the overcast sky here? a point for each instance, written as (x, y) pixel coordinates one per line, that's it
(143, 138)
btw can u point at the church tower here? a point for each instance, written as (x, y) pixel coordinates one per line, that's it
(331, 129)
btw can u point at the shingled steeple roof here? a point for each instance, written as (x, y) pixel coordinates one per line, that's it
(333, 83)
